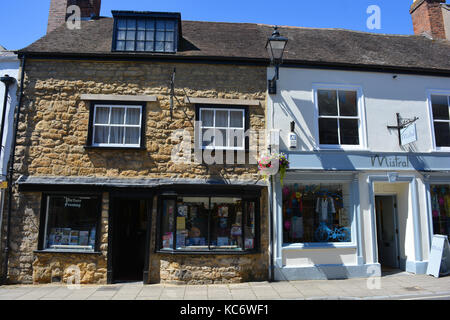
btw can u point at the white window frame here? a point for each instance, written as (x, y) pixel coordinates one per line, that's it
(430, 112)
(361, 116)
(200, 109)
(109, 125)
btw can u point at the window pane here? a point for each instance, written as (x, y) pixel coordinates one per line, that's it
(141, 35)
(159, 46)
(131, 24)
(222, 118)
(150, 36)
(349, 131)
(327, 102)
(131, 35)
(328, 132)
(117, 115)
(236, 119)
(140, 46)
(141, 24)
(207, 137)
(192, 223)
(129, 46)
(159, 36)
(101, 115)
(442, 134)
(170, 25)
(101, 134)
(120, 45)
(440, 208)
(226, 223)
(167, 218)
(249, 225)
(149, 46)
(121, 35)
(160, 25)
(122, 24)
(132, 135)
(117, 135)
(347, 103)
(133, 116)
(207, 118)
(71, 221)
(168, 47)
(316, 213)
(169, 36)
(236, 138)
(220, 138)
(440, 107)
(150, 25)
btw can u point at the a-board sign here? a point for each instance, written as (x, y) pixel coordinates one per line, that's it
(439, 259)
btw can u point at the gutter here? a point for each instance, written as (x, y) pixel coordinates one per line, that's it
(11, 171)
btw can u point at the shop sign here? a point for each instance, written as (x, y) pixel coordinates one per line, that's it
(390, 161)
(4, 185)
(72, 202)
(439, 262)
(408, 134)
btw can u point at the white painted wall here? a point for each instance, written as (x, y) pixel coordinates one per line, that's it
(382, 97)
(9, 64)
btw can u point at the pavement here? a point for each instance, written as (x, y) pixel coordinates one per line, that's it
(399, 286)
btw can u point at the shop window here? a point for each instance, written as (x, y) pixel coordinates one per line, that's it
(339, 118)
(71, 222)
(440, 206)
(117, 125)
(208, 224)
(222, 128)
(441, 120)
(316, 213)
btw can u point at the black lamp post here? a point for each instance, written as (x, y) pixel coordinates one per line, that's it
(275, 47)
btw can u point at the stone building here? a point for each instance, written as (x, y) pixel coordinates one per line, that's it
(98, 192)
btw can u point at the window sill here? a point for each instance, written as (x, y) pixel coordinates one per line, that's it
(215, 253)
(115, 148)
(66, 251)
(323, 245)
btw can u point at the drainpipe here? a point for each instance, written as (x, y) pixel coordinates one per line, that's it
(11, 171)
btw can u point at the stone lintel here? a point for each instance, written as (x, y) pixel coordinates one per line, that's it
(112, 97)
(238, 102)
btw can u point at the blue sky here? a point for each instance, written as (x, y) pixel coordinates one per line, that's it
(24, 21)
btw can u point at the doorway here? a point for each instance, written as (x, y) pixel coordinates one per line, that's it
(130, 225)
(387, 232)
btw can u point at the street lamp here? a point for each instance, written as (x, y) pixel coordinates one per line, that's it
(275, 47)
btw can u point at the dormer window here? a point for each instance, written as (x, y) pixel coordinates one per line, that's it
(146, 32)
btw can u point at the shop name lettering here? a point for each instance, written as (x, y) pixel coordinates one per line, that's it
(390, 162)
(72, 203)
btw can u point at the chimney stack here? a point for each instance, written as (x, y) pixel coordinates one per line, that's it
(58, 11)
(431, 17)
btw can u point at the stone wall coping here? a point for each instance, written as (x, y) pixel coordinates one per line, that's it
(113, 97)
(241, 102)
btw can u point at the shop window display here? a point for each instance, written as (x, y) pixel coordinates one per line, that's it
(440, 204)
(208, 223)
(71, 223)
(316, 213)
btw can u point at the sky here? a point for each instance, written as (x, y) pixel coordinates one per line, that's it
(24, 21)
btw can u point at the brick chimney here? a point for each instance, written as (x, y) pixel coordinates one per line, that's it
(58, 11)
(428, 18)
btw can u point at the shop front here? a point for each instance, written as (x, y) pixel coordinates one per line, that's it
(343, 215)
(119, 231)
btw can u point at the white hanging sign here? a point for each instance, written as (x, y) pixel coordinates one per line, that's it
(408, 134)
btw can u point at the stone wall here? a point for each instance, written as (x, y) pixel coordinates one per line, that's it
(53, 131)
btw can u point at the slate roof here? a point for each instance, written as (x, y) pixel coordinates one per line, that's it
(246, 42)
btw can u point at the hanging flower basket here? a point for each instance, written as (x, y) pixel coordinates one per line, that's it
(267, 167)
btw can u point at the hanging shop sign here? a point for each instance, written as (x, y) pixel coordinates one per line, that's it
(408, 134)
(439, 261)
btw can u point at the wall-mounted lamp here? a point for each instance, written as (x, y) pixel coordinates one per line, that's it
(275, 47)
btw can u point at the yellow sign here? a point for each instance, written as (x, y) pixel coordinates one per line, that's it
(4, 185)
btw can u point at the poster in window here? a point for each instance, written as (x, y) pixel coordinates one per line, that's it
(248, 243)
(65, 238)
(182, 211)
(74, 237)
(181, 240)
(84, 238)
(167, 240)
(223, 211)
(223, 241)
(181, 223)
(236, 230)
(92, 237)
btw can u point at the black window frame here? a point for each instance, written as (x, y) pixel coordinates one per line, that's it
(43, 221)
(434, 121)
(90, 136)
(175, 17)
(246, 196)
(198, 107)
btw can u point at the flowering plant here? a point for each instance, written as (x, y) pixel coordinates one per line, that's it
(267, 165)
